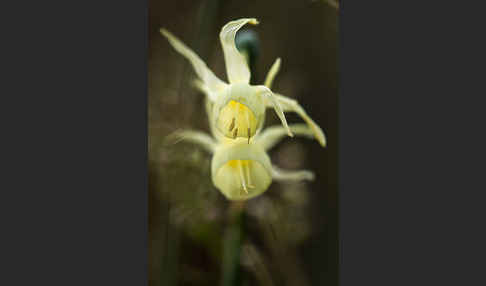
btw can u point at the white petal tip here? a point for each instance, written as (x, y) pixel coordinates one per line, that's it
(172, 139)
(321, 139)
(167, 34)
(254, 21)
(309, 176)
(164, 32)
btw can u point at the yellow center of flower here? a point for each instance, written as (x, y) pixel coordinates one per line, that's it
(237, 120)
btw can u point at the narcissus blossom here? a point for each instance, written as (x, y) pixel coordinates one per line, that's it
(237, 107)
(240, 170)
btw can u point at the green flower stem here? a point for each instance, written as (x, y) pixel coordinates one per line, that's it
(232, 245)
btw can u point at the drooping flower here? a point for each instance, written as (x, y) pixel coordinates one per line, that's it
(237, 107)
(240, 170)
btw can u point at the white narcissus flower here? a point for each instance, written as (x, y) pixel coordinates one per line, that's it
(238, 108)
(240, 170)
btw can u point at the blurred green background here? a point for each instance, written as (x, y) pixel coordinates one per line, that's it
(287, 236)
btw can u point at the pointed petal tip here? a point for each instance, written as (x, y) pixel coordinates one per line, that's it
(310, 176)
(321, 138)
(322, 141)
(254, 21)
(277, 64)
(166, 33)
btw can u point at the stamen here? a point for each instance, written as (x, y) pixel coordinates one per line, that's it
(247, 171)
(242, 177)
(235, 133)
(248, 126)
(237, 179)
(232, 125)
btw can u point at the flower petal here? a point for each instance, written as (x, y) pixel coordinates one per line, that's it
(289, 104)
(236, 65)
(202, 87)
(196, 137)
(272, 73)
(270, 136)
(272, 101)
(287, 175)
(205, 74)
(212, 125)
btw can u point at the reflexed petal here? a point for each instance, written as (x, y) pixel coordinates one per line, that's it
(236, 66)
(289, 104)
(212, 126)
(287, 175)
(205, 74)
(272, 73)
(272, 101)
(196, 137)
(202, 87)
(270, 136)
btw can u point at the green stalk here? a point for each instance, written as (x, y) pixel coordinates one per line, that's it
(232, 245)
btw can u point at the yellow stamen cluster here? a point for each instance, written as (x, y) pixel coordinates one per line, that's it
(237, 120)
(242, 179)
(241, 168)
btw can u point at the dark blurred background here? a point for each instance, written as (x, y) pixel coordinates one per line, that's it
(289, 235)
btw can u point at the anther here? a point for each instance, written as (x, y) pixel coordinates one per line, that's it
(232, 125)
(247, 171)
(242, 176)
(249, 126)
(235, 133)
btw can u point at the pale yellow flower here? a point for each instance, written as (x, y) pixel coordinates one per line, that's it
(238, 108)
(240, 170)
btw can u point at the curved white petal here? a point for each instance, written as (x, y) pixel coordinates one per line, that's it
(212, 123)
(196, 137)
(289, 104)
(272, 73)
(205, 74)
(236, 65)
(272, 101)
(202, 87)
(270, 136)
(287, 175)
